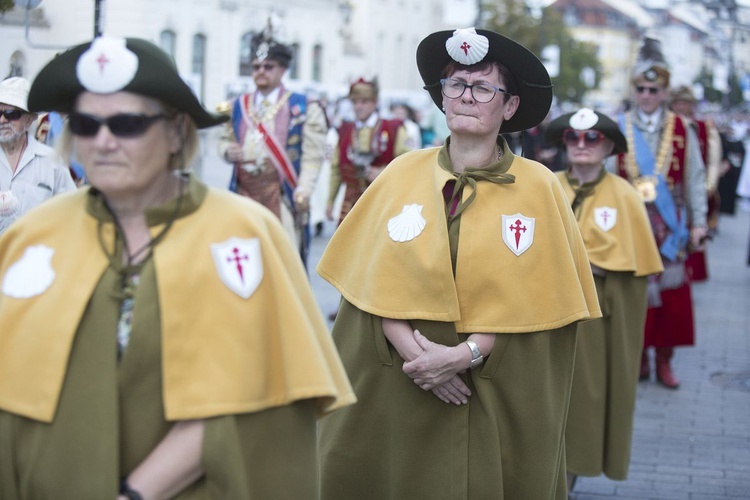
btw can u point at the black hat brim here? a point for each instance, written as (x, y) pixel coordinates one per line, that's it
(605, 125)
(56, 87)
(532, 80)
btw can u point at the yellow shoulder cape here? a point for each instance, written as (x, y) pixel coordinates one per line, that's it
(494, 290)
(222, 354)
(629, 244)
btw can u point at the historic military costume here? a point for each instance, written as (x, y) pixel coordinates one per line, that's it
(664, 163)
(282, 135)
(364, 148)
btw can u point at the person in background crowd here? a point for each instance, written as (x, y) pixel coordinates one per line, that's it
(682, 102)
(664, 163)
(622, 253)
(50, 127)
(30, 172)
(159, 338)
(459, 346)
(366, 145)
(276, 141)
(733, 149)
(405, 113)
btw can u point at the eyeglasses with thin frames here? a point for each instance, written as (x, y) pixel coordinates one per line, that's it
(120, 125)
(12, 115)
(480, 92)
(651, 90)
(573, 137)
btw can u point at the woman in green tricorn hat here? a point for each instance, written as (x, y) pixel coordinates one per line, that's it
(463, 276)
(159, 338)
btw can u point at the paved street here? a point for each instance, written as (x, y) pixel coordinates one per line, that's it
(689, 444)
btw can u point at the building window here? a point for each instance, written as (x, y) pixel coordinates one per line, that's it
(168, 42)
(246, 54)
(317, 63)
(293, 70)
(199, 65)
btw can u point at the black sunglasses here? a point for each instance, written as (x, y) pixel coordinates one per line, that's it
(122, 125)
(651, 90)
(264, 66)
(12, 115)
(590, 137)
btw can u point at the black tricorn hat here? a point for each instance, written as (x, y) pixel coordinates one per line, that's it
(533, 84)
(107, 65)
(586, 119)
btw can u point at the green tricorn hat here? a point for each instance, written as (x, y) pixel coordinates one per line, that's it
(471, 46)
(586, 119)
(107, 65)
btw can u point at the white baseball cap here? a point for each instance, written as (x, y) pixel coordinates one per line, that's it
(14, 91)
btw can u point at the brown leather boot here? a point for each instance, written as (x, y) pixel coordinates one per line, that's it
(663, 370)
(645, 370)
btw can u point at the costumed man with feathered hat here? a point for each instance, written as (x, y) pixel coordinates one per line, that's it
(366, 145)
(664, 163)
(276, 140)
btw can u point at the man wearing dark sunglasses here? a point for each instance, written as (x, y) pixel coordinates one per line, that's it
(276, 140)
(30, 172)
(664, 163)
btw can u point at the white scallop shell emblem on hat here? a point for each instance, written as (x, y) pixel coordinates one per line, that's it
(583, 119)
(408, 224)
(31, 275)
(466, 46)
(107, 66)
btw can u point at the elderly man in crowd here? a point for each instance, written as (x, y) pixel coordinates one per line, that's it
(30, 172)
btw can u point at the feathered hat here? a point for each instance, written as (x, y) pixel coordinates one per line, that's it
(651, 65)
(263, 46)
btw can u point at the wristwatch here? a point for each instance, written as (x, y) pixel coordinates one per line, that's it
(476, 355)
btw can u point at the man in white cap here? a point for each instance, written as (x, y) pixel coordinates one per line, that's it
(30, 172)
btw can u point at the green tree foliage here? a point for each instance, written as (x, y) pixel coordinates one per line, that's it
(514, 19)
(6, 5)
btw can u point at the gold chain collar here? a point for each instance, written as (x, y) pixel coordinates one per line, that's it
(646, 184)
(270, 111)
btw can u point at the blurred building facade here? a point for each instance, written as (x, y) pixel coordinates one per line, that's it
(336, 41)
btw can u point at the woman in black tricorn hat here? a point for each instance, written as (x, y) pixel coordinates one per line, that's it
(463, 275)
(623, 253)
(159, 337)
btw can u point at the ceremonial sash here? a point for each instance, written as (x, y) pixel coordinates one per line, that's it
(278, 154)
(664, 203)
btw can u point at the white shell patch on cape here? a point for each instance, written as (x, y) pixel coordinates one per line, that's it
(518, 232)
(107, 66)
(8, 203)
(466, 46)
(408, 224)
(240, 264)
(605, 218)
(31, 275)
(583, 119)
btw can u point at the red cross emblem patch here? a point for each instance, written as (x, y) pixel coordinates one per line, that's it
(239, 264)
(518, 232)
(605, 218)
